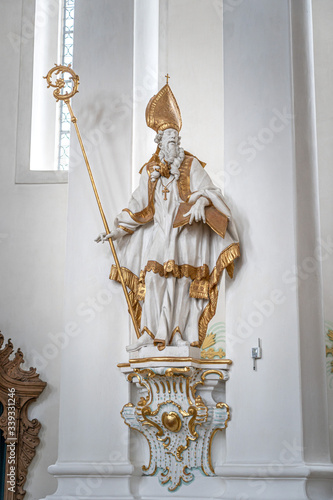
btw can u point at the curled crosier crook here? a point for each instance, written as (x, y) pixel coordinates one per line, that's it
(59, 83)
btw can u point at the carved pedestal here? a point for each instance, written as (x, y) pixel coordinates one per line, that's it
(177, 415)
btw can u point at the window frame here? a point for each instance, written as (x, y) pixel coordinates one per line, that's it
(23, 174)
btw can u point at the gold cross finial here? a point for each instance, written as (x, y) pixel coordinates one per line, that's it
(167, 78)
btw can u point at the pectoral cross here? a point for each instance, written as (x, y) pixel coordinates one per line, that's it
(165, 190)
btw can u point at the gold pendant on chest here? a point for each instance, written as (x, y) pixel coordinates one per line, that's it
(165, 189)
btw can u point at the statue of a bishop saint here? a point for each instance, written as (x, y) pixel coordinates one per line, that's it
(174, 239)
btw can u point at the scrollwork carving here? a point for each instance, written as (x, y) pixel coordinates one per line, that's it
(18, 389)
(176, 422)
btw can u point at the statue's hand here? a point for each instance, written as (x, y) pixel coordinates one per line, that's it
(155, 174)
(197, 212)
(115, 234)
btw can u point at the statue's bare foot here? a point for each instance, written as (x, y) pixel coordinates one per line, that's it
(144, 340)
(178, 341)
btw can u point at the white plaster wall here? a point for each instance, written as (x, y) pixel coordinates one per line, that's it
(93, 389)
(270, 156)
(191, 51)
(145, 85)
(32, 254)
(323, 48)
(259, 163)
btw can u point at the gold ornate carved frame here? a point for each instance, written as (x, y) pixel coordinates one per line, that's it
(18, 389)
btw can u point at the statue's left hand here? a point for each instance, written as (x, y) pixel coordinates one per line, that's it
(197, 212)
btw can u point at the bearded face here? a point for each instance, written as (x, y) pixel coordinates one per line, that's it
(169, 144)
(170, 151)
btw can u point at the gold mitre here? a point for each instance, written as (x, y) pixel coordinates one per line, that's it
(163, 112)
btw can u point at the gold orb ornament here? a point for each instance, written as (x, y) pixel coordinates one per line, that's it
(172, 421)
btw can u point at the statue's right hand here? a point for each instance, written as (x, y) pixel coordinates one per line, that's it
(114, 235)
(103, 237)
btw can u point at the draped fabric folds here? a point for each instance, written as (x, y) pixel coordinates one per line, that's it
(173, 273)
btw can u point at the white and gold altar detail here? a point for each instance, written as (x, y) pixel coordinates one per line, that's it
(177, 414)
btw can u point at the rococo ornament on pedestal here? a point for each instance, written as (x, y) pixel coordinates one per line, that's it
(174, 239)
(176, 422)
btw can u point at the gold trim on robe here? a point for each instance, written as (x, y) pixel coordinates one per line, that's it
(129, 231)
(225, 259)
(147, 214)
(203, 286)
(178, 271)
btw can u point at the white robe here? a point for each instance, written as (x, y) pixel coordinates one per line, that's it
(158, 253)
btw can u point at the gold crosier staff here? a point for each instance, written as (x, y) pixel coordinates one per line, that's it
(58, 85)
